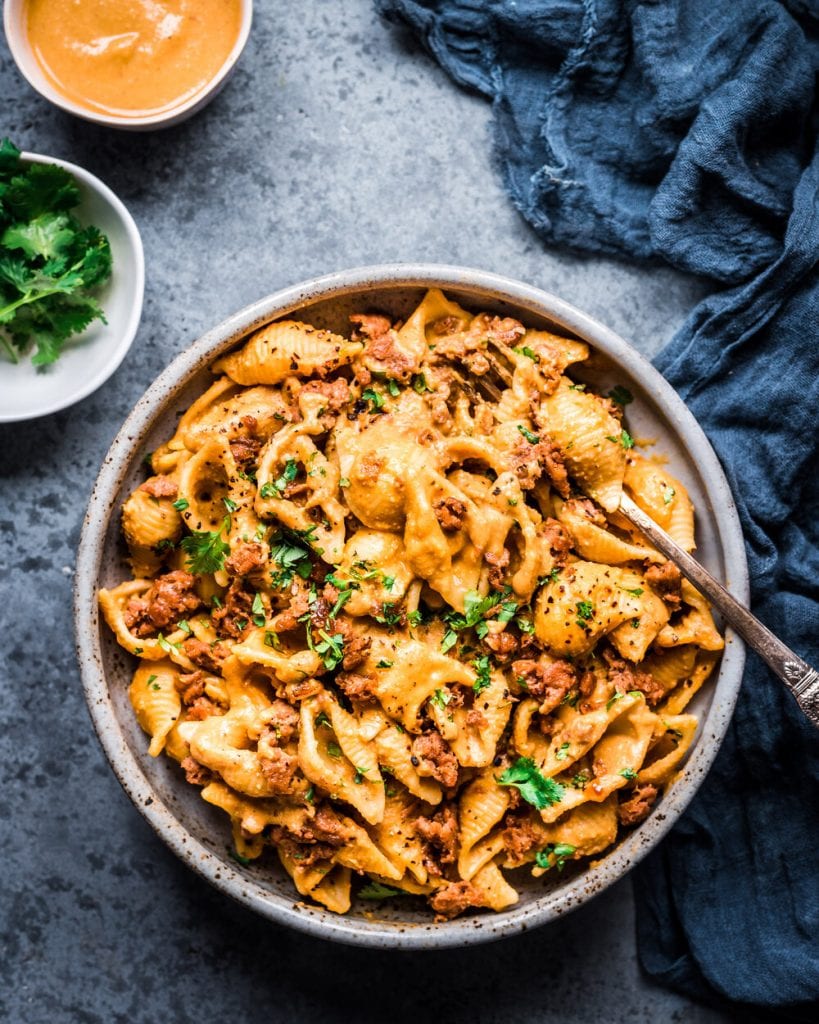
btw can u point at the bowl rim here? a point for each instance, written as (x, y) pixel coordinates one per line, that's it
(118, 350)
(216, 868)
(29, 68)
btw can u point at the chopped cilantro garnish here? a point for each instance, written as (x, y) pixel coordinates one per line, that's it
(358, 778)
(530, 437)
(166, 645)
(310, 794)
(257, 608)
(181, 504)
(534, 787)
(613, 700)
(441, 698)
(384, 663)
(184, 625)
(524, 350)
(375, 398)
(636, 592)
(154, 685)
(276, 488)
(621, 395)
(577, 387)
(562, 752)
(206, 550)
(333, 749)
(331, 649)
(377, 891)
(554, 855)
(585, 611)
(343, 482)
(419, 384)
(229, 504)
(580, 780)
(271, 639)
(414, 618)
(628, 773)
(625, 439)
(449, 640)
(392, 387)
(321, 719)
(244, 861)
(483, 681)
(668, 495)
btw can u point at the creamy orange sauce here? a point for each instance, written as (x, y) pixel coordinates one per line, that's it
(132, 57)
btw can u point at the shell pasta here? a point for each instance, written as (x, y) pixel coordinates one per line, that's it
(390, 620)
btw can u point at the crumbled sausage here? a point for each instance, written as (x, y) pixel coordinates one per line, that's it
(503, 645)
(626, 677)
(519, 837)
(196, 774)
(356, 687)
(435, 758)
(552, 461)
(497, 565)
(666, 579)
(245, 447)
(282, 721)
(453, 899)
(171, 598)
(356, 646)
(278, 768)
(191, 685)
(381, 349)
(245, 558)
(636, 807)
(313, 841)
(160, 487)
(559, 541)
(206, 656)
(440, 835)
(546, 681)
(477, 718)
(450, 513)
(201, 707)
(336, 391)
(233, 617)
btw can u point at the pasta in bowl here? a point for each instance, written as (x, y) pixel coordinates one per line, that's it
(393, 628)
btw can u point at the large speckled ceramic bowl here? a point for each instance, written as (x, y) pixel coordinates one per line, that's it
(199, 833)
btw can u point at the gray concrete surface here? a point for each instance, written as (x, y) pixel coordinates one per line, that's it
(337, 143)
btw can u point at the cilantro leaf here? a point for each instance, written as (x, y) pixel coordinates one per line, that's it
(621, 395)
(534, 787)
(377, 891)
(206, 550)
(484, 680)
(49, 263)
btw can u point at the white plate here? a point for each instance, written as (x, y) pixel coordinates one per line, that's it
(90, 358)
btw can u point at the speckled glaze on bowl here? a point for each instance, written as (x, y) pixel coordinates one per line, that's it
(199, 833)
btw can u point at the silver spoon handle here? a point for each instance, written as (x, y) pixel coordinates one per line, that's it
(797, 675)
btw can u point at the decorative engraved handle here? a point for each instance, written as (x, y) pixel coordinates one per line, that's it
(798, 676)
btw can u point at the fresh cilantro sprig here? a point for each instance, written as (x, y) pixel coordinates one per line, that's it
(206, 550)
(532, 785)
(49, 263)
(483, 680)
(377, 891)
(554, 855)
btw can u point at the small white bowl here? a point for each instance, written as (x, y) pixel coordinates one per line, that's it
(90, 358)
(15, 25)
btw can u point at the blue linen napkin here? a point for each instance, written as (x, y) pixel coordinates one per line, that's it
(686, 130)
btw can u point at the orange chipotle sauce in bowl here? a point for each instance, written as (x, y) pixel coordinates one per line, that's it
(132, 58)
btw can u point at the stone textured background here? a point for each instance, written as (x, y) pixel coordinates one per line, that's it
(336, 144)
